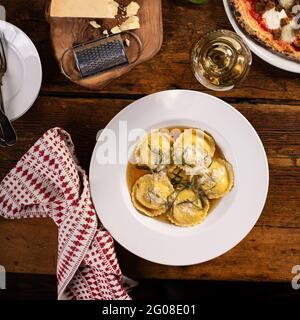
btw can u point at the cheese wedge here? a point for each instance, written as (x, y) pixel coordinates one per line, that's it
(84, 8)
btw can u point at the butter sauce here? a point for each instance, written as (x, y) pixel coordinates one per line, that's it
(134, 172)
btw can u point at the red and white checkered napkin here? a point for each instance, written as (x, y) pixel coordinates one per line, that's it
(48, 182)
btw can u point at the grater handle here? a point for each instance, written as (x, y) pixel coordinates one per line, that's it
(62, 65)
(139, 42)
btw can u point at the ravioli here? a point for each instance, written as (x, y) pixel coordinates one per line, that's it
(218, 181)
(150, 194)
(188, 208)
(194, 151)
(178, 176)
(154, 150)
(185, 176)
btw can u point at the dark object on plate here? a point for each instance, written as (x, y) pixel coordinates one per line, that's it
(8, 132)
(101, 55)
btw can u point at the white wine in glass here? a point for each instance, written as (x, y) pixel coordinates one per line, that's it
(221, 60)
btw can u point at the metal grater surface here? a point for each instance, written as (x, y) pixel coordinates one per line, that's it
(100, 55)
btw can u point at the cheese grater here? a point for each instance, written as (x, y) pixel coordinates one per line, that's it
(100, 55)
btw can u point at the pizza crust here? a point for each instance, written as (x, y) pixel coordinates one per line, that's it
(241, 10)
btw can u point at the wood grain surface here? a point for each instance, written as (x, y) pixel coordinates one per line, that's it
(65, 32)
(183, 24)
(269, 99)
(268, 252)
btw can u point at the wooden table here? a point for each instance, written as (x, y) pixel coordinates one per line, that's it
(268, 99)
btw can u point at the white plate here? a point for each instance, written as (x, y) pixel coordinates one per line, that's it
(260, 51)
(227, 224)
(22, 81)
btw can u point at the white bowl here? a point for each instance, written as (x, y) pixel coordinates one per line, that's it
(227, 224)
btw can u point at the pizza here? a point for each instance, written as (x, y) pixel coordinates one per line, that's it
(273, 23)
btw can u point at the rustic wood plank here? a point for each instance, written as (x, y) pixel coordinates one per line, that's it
(28, 246)
(84, 117)
(65, 32)
(268, 252)
(184, 24)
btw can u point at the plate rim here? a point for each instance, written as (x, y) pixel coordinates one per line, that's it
(39, 67)
(266, 182)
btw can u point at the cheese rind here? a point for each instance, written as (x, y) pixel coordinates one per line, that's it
(84, 8)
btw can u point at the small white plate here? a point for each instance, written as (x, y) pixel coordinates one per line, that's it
(22, 81)
(227, 224)
(265, 54)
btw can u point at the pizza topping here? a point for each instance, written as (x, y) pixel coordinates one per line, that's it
(276, 34)
(260, 6)
(269, 5)
(297, 43)
(277, 24)
(284, 22)
(286, 4)
(287, 33)
(296, 30)
(272, 18)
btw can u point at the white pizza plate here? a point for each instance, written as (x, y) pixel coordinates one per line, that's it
(260, 51)
(22, 81)
(227, 224)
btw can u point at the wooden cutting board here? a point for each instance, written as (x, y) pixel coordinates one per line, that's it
(65, 32)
